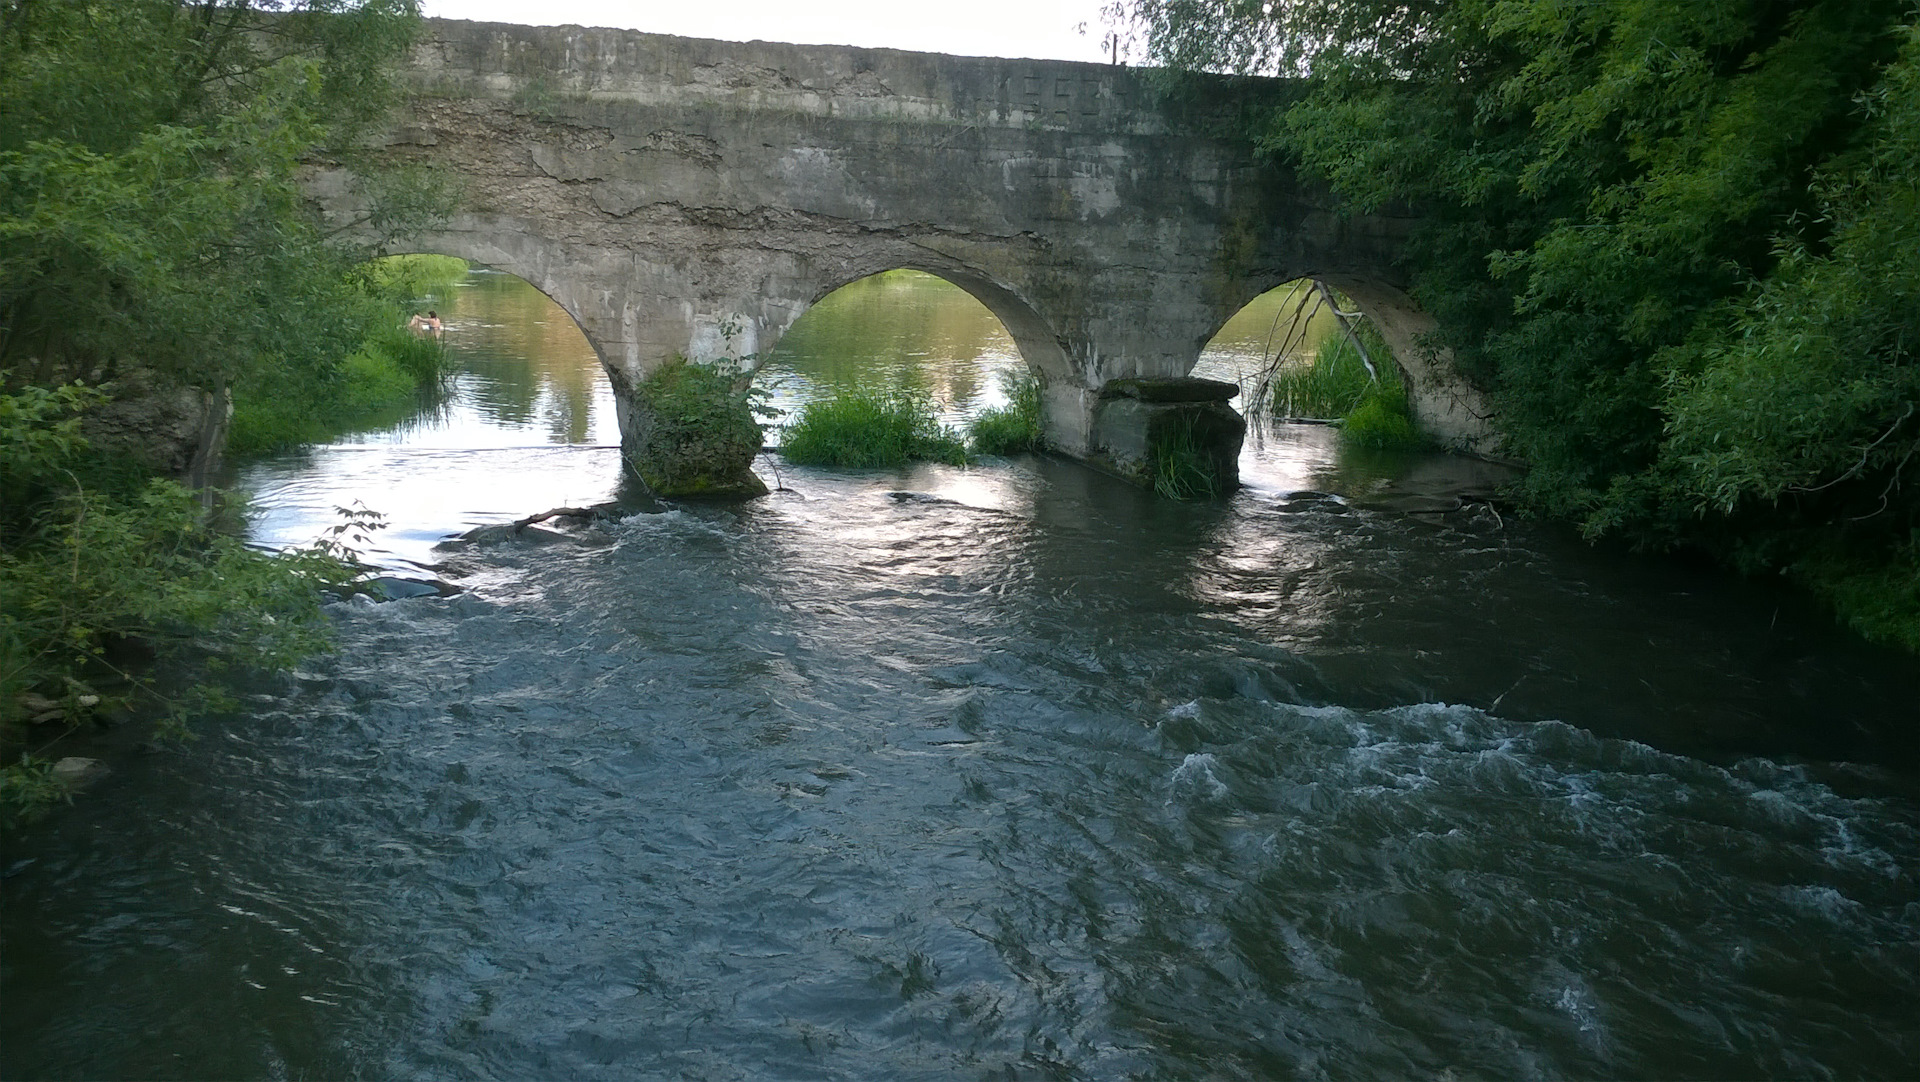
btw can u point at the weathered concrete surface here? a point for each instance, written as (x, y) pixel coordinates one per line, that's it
(1137, 421)
(681, 196)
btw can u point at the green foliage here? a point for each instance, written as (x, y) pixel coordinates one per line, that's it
(368, 390)
(704, 397)
(1380, 422)
(1336, 384)
(1878, 593)
(408, 279)
(1333, 384)
(28, 791)
(40, 447)
(91, 562)
(1011, 429)
(379, 383)
(871, 429)
(697, 433)
(152, 224)
(422, 357)
(150, 211)
(1179, 463)
(1676, 242)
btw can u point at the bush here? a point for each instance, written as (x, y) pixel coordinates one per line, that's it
(378, 384)
(1874, 593)
(694, 432)
(1013, 428)
(28, 790)
(90, 563)
(368, 390)
(868, 428)
(1380, 422)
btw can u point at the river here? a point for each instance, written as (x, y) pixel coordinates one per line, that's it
(1009, 771)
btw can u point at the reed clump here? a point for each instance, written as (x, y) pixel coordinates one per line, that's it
(865, 428)
(1013, 428)
(1336, 385)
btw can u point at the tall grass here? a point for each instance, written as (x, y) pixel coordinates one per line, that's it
(1012, 428)
(1331, 385)
(1182, 468)
(1336, 385)
(871, 428)
(421, 357)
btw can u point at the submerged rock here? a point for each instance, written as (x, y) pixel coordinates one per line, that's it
(394, 588)
(78, 773)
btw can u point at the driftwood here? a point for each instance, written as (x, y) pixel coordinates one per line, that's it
(597, 511)
(519, 527)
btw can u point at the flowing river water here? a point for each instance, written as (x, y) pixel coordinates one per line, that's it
(1007, 771)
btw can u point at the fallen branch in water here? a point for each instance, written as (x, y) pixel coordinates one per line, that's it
(599, 510)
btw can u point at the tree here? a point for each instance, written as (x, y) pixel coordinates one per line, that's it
(1671, 239)
(149, 206)
(151, 220)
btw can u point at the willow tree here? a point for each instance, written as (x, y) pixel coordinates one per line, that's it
(1675, 241)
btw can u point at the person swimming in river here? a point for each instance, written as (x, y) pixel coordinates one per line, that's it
(425, 325)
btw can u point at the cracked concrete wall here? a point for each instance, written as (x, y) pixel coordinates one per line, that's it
(682, 196)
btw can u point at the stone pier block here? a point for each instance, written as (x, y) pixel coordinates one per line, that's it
(1143, 428)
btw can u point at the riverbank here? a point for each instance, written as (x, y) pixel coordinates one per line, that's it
(394, 372)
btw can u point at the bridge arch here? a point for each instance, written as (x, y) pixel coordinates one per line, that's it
(542, 264)
(899, 329)
(1443, 405)
(525, 360)
(1032, 333)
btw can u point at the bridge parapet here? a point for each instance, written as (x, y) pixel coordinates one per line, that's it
(825, 81)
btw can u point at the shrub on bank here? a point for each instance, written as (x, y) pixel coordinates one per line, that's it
(93, 559)
(868, 428)
(369, 389)
(1013, 428)
(378, 384)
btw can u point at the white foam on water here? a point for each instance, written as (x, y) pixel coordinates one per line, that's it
(1825, 901)
(1195, 782)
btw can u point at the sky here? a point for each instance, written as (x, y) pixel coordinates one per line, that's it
(1039, 29)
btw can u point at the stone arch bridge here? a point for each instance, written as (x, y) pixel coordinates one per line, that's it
(692, 197)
